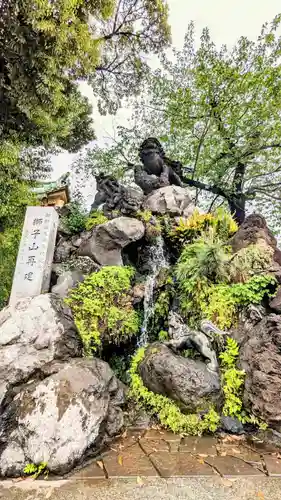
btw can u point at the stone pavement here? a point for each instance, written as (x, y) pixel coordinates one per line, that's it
(155, 453)
(160, 465)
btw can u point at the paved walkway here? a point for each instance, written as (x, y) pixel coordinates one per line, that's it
(163, 454)
(161, 466)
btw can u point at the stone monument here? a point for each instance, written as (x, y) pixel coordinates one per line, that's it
(35, 256)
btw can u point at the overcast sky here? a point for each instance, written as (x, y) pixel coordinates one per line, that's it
(227, 21)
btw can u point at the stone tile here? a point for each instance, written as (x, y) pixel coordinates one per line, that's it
(153, 445)
(199, 446)
(162, 434)
(180, 465)
(232, 466)
(91, 471)
(273, 465)
(130, 462)
(242, 452)
(261, 446)
(128, 439)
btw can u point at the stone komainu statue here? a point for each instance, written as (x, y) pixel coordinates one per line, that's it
(112, 195)
(156, 170)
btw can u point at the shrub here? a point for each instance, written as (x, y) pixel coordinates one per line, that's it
(9, 244)
(223, 302)
(102, 308)
(75, 221)
(201, 263)
(167, 411)
(95, 218)
(186, 230)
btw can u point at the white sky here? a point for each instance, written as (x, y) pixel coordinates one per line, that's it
(227, 21)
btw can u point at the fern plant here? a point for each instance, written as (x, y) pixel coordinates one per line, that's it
(205, 258)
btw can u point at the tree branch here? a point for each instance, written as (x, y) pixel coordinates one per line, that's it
(206, 187)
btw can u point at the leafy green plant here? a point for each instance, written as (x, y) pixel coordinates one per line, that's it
(76, 219)
(144, 215)
(36, 470)
(167, 411)
(95, 218)
(9, 244)
(223, 302)
(201, 263)
(205, 258)
(233, 381)
(163, 336)
(102, 308)
(187, 230)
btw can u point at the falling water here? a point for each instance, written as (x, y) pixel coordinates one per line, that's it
(157, 261)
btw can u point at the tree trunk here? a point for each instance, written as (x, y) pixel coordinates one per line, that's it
(237, 205)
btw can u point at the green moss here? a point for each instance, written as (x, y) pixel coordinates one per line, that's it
(102, 308)
(95, 218)
(168, 413)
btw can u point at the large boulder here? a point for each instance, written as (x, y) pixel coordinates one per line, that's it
(84, 265)
(67, 281)
(254, 230)
(186, 381)
(33, 332)
(171, 200)
(61, 420)
(63, 250)
(107, 240)
(260, 357)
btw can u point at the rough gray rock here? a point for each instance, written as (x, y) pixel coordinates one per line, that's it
(172, 200)
(254, 230)
(184, 380)
(275, 303)
(62, 419)
(77, 239)
(63, 250)
(33, 332)
(232, 425)
(107, 240)
(84, 265)
(66, 282)
(260, 357)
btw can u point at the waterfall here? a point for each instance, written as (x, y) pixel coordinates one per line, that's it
(157, 261)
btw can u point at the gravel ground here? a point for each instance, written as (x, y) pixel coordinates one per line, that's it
(216, 488)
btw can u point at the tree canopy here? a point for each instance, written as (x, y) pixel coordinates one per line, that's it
(218, 111)
(46, 48)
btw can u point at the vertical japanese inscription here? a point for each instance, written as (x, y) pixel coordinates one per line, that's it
(33, 267)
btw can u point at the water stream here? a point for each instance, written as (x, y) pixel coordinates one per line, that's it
(157, 261)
